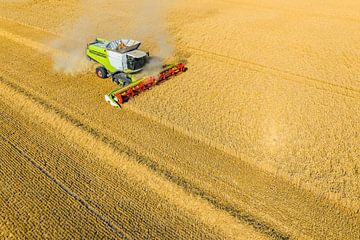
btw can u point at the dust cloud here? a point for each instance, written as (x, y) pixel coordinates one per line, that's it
(141, 20)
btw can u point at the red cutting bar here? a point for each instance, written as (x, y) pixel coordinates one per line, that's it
(149, 82)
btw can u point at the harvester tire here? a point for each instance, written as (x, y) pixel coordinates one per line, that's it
(101, 72)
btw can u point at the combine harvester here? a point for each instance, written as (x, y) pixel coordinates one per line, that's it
(120, 60)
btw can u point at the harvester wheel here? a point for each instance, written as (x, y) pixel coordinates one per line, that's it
(101, 72)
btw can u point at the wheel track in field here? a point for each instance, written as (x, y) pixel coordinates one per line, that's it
(243, 217)
(282, 74)
(25, 173)
(103, 207)
(81, 201)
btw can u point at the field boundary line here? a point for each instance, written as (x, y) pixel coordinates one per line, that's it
(82, 202)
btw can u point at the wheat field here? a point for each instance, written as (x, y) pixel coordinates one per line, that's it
(259, 139)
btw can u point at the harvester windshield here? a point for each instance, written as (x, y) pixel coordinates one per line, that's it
(134, 63)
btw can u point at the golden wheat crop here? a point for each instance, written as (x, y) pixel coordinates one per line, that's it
(259, 139)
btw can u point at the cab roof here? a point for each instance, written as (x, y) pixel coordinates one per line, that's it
(136, 54)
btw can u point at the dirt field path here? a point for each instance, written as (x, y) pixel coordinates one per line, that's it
(127, 174)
